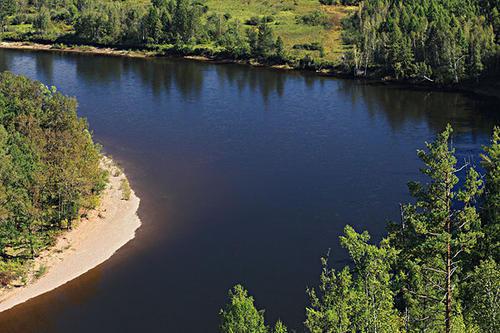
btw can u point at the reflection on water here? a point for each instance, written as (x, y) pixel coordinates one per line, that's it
(435, 108)
(398, 105)
(246, 175)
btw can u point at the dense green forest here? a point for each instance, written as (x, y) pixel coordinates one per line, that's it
(49, 170)
(436, 271)
(443, 41)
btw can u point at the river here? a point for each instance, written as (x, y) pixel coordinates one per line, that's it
(246, 175)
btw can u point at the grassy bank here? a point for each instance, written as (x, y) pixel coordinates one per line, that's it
(288, 34)
(308, 29)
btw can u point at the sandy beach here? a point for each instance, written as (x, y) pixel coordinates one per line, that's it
(92, 241)
(106, 51)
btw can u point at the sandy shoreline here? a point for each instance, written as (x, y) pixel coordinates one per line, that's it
(79, 49)
(91, 242)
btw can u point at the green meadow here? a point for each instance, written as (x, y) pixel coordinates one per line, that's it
(286, 22)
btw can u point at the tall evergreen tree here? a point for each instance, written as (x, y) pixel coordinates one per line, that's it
(436, 232)
(490, 245)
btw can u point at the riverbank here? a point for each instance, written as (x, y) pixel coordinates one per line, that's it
(92, 241)
(489, 88)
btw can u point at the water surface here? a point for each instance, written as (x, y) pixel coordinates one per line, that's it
(245, 175)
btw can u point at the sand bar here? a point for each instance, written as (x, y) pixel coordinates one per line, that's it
(91, 242)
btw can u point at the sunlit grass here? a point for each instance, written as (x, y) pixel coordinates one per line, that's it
(285, 13)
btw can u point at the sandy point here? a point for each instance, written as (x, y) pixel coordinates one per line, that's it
(92, 241)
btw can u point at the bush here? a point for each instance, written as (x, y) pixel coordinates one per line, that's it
(63, 15)
(42, 20)
(315, 18)
(307, 63)
(255, 20)
(125, 188)
(314, 46)
(340, 2)
(23, 18)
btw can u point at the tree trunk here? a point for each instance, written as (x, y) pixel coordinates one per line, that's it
(448, 286)
(448, 265)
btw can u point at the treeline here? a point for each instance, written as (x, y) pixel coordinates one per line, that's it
(184, 26)
(436, 271)
(49, 169)
(444, 41)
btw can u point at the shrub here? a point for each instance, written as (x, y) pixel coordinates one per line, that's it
(315, 18)
(314, 46)
(125, 188)
(256, 20)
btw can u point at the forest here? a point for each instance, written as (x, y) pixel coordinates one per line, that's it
(446, 40)
(440, 41)
(436, 270)
(49, 170)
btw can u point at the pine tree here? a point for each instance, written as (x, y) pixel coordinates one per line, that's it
(436, 232)
(490, 245)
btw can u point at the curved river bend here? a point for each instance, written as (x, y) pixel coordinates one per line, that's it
(245, 176)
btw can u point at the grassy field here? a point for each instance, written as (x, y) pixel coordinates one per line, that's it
(286, 24)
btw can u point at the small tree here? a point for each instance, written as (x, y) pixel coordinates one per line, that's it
(363, 303)
(482, 307)
(42, 20)
(279, 46)
(240, 315)
(331, 307)
(7, 8)
(490, 246)
(233, 41)
(279, 327)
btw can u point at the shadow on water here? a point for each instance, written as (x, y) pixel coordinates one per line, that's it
(246, 175)
(401, 106)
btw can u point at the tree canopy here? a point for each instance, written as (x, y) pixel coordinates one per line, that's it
(49, 168)
(437, 269)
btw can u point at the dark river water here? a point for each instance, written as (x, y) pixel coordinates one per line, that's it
(245, 176)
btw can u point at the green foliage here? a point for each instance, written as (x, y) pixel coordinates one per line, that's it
(234, 42)
(359, 303)
(240, 315)
(125, 188)
(40, 272)
(340, 2)
(436, 272)
(279, 327)
(7, 8)
(177, 26)
(263, 44)
(42, 20)
(314, 46)
(447, 41)
(49, 166)
(316, 17)
(435, 237)
(332, 306)
(482, 301)
(490, 245)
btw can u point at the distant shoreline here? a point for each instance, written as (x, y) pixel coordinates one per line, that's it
(90, 243)
(488, 89)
